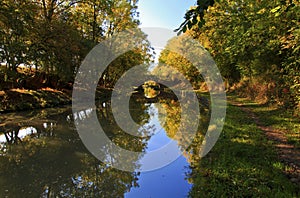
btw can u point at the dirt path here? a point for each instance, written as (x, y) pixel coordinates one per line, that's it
(287, 153)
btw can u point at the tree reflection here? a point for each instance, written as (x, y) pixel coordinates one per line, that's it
(42, 155)
(138, 113)
(49, 160)
(170, 117)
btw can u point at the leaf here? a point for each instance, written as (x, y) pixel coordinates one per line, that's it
(276, 9)
(195, 21)
(261, 11)
(190, 25)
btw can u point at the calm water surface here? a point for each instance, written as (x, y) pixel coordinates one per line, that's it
(41, 154)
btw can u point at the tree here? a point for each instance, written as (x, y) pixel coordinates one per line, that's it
(15, 20)
(180, 61)
(55, 41)
(195, 16)
(250, 39)
(56, 35)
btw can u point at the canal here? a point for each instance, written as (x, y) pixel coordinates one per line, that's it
(42, 154)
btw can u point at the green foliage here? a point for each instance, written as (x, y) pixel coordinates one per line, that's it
(15, 17)
(195, 16)
(290, 42)
(253, 40)
(179, 61)
(137, 56)
(55, 36)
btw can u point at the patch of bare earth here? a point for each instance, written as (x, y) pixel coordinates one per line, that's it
(287, 153)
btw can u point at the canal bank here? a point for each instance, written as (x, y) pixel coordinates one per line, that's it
(24, 99)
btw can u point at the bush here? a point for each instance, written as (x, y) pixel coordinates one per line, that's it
(263, 92)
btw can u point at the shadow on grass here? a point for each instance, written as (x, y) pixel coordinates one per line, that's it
(276, 117)
(19, 100)
(243, 163)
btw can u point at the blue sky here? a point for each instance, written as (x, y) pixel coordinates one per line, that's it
(167, 14)
(163, 13)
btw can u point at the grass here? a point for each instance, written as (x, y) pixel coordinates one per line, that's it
(243, 163)
(22, 99)
(278, 118)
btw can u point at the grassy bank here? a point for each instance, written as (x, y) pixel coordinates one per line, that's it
(23, 99)
(243, 163)
(278, 118)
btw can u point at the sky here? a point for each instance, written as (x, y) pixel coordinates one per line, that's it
(163, 13)
(167, 14)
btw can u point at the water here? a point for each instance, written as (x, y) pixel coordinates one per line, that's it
(41, 155)
(168, 181)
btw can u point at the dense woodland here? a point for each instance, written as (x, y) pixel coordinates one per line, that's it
(254, 43)
(52, 37)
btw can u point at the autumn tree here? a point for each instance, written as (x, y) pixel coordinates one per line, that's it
(15, 26)
(180, 61)
(54, 36)
(254, 40)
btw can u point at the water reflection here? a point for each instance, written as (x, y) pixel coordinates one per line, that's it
(41, 154)
(151, 89)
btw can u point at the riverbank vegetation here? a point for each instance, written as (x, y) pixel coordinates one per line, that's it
(43, 43)
(255, 45)
(50, 39)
